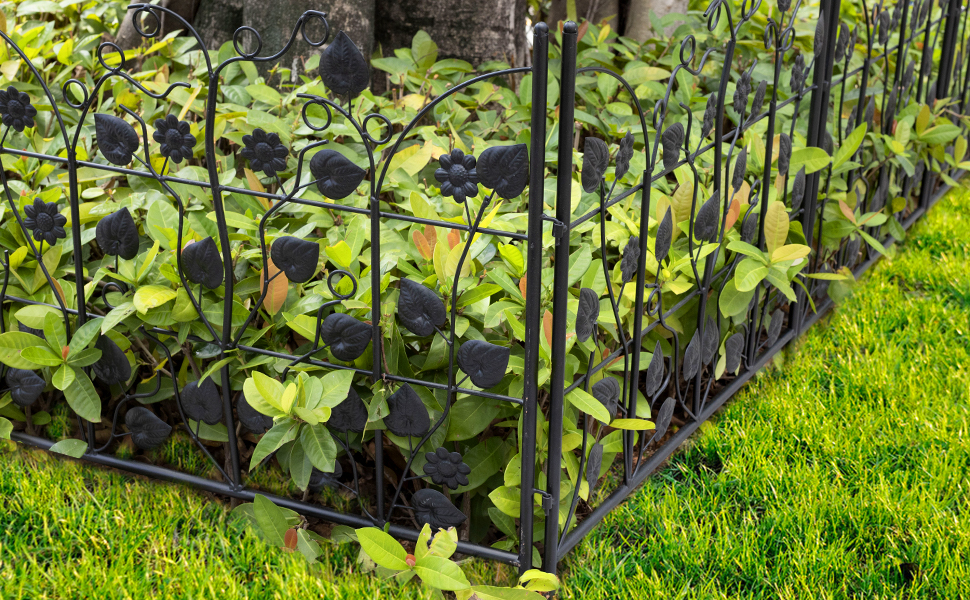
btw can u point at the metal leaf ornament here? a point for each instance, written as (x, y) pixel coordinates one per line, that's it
(784, 153)
(631, 259)
(819, 44)
(343, 68)
(692, 357)
(774, 328)
(843, 43)
(849, 124)
(623, 156)
(40, 332)
(113, 366)
(665, 233)
(908, 75)
(784, 5)
(741, 91)
(484, 363)
(336, 175)
(732, 352)
(798, 190)
(446, 468)
(607, 391)
(346, 336)
(202, 263)
(252, 420)
(202, 403)
(320, 479)
(749, 228)
(349, 415)
(25, 386)
(593, 465)
(711, 338)
(890, 108)
(432, 508)
(705, 222)
(709, 113)
(673, 138)
(740, 166)
(147, 430)
(884, 27)
(655, 371)
(596, 158)
(797, 73)
(870, 112)
(587, 314)
(504, 169)
(419, 309)
(117, 234)
(407, 415)
(759, 98)
(296, 257)
(117, 140)
(663, 418)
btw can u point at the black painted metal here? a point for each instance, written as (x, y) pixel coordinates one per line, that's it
(687, 384)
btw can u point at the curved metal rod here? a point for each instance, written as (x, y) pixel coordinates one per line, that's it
(196, 303)
(451, 351)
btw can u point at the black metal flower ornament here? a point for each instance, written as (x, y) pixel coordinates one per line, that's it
(457, 175)
(16, 109)
(25, 386)
(587, 314)
(45, 222)
(173, 135)
(431, 507)
(265, 152)
(117, 140)
(117, 234)
(446, 468)
(607, 391)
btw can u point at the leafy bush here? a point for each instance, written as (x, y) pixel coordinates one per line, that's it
(451, 261)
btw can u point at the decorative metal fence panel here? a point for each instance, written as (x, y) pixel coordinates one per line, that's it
(676, 264)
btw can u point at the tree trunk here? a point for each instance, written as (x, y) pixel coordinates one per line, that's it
(128, 37)
(472, 30)
(217, 20)
(638, 24)
(275, 21)
(589, 10)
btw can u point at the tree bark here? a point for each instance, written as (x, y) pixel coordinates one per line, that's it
(128, 37)
(275, 21)
(217, 20)
(638, 24)
(472, 30)
(589, 10)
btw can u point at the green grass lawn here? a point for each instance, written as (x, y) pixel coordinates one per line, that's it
(842, 474)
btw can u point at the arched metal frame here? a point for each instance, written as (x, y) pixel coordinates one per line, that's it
(694, 398)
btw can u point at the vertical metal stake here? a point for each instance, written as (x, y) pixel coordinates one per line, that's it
(560, 294)
(533, 316)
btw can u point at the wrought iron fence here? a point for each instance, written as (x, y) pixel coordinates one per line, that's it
(913, 49)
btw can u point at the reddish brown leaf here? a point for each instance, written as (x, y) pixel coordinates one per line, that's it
(278, 287)
(522, 285)
(422, 244)
(431, 234)
(453, 238)
(733, 213)
(547, 326)
(289, 539)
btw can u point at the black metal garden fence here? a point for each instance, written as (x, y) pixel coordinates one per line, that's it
(684, 323)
